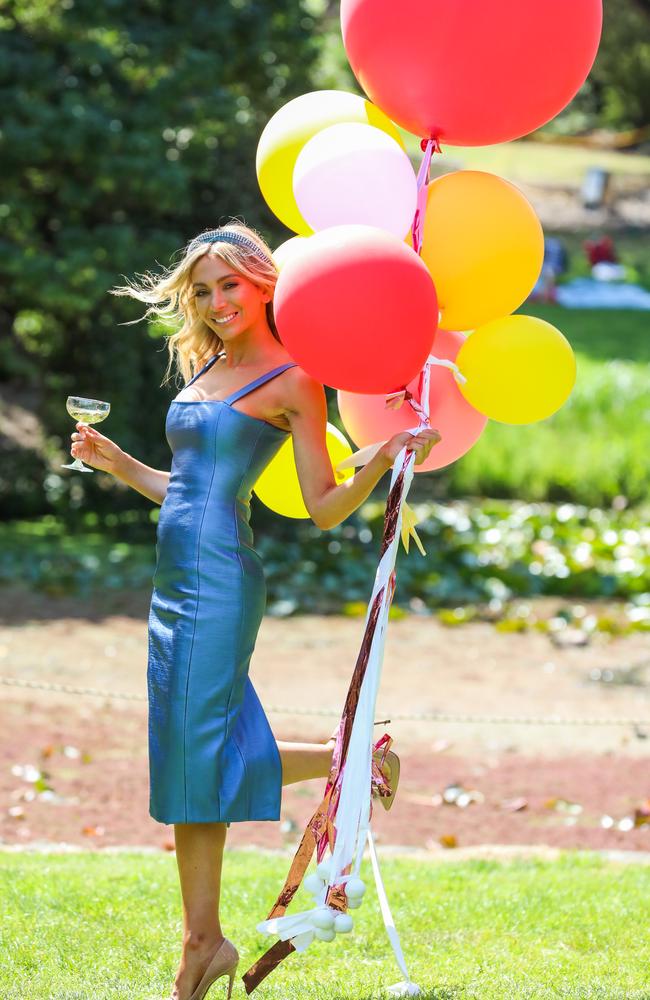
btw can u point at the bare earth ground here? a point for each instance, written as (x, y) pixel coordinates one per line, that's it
(538, 785)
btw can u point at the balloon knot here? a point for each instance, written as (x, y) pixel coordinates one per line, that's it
(435, 144)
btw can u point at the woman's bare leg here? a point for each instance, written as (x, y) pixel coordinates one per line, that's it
(302, 761)
(199, 856)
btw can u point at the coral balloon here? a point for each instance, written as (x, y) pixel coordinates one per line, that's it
(286, 249)
(353, 173)
(279, 488)
(519, 369)
(367, 420)
(287, 132)
(357, 309)
(483, 245)
(469, 72)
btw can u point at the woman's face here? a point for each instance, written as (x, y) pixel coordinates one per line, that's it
(226, 301)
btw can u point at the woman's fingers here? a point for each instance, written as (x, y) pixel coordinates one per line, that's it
(422, 443)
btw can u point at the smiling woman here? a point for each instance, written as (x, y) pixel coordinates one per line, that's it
(213, 757)
(180, 296)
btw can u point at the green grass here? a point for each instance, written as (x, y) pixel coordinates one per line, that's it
(107, 927)
(536, 162)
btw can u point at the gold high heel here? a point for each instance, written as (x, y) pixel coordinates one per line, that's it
(223, 963)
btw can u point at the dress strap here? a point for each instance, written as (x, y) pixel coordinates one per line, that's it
(204, 369)
(262, 380)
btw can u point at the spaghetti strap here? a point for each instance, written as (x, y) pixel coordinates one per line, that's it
(256, 383)
(204, 369)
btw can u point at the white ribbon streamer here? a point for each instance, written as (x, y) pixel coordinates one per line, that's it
(451, 365)
(407, 988)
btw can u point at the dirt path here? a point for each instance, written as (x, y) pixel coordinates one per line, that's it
(527, 784)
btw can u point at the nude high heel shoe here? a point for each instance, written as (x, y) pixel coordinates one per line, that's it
(223, 963)
(391, 778)
(390, 772)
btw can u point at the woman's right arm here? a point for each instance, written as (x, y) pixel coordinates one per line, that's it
(99, 451)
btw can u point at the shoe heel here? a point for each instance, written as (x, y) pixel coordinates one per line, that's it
(231, 974)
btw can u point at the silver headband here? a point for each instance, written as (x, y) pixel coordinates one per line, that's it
(227, 236)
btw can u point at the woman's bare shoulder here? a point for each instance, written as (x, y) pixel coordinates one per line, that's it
(301, 390)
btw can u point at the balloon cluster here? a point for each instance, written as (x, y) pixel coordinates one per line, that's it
(388, 269)
(326, 921)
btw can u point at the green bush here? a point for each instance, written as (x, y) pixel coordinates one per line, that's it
(475, 553)
(126, 129)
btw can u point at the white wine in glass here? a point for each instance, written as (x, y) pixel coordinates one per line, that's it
(87, 411)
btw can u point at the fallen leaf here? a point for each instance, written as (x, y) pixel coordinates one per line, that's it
(93, 831)
(642, 814)
(448, 840)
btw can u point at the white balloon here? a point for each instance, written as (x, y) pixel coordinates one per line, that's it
(323, 919)
(343, 923)
(354, 903)
(324, 935)
(355, 888)
(324, 870)
(313, 883)
(354, 173)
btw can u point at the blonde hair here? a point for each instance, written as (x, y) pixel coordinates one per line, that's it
(170, 299)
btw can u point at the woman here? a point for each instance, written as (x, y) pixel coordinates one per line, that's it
(213, 758)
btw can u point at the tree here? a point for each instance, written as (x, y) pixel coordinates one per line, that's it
(129, 128)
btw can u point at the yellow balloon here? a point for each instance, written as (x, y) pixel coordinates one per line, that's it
(287, 249)
(291, 128)
(483, 245)
(278, 486)
(519, 369)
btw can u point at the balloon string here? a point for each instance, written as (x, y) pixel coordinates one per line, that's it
(429, 147)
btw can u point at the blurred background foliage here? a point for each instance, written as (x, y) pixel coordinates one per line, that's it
(127, 129)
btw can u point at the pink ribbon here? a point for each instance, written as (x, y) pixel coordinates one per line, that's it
(429, 147)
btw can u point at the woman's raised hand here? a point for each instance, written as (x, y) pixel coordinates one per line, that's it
(420, 443)
(94, 449)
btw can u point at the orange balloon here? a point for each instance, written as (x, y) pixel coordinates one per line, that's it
(483, 246)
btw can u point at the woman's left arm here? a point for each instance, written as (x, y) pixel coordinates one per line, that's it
(327, 503)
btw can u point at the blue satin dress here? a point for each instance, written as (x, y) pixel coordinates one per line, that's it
(212, 755)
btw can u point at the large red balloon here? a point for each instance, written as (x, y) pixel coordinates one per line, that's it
(471, 72)
(367, 420)
(357, 309)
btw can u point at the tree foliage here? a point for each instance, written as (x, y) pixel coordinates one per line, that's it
(128, 128)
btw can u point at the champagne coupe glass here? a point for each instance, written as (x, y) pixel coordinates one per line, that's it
(88, 411)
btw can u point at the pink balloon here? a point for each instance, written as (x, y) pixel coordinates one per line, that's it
(471, 72)
(355, 173)
(357, 309)
(367, 420)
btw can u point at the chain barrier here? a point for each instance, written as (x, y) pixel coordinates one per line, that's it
(517, 720)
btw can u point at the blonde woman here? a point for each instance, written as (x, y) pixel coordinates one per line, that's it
(213, 758)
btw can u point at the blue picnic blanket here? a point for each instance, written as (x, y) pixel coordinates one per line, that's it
(587, 293)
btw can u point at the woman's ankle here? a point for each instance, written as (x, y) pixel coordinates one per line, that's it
(203, 940)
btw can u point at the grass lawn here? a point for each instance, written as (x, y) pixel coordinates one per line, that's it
(535, 162)
(106, 927)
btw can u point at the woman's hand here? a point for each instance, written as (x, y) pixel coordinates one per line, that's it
(95, 449)
(420, 443)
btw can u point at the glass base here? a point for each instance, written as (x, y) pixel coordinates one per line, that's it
(78, 466)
